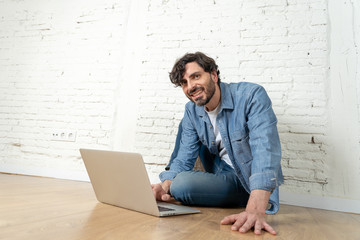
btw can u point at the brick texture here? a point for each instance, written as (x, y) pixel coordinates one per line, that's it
(59, 66)
(281, 45)
(61, 62)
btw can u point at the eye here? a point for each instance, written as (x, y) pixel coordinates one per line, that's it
(183, 82)
(197, 76)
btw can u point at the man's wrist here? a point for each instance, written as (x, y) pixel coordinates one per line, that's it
(258, 200)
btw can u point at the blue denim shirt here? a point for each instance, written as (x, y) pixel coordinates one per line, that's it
(247, 125)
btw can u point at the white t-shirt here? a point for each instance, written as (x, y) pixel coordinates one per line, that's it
(219, 143)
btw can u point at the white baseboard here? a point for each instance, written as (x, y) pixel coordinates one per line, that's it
(45, 172)
(326, 203)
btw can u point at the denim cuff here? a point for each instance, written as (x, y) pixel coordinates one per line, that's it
(167, 175)
(273, 202)
(265, 181)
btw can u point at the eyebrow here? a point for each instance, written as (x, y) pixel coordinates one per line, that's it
(191, 75)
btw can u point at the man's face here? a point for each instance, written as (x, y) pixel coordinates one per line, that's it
(199, 86)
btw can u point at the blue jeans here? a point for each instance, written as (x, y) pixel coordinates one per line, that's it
(218, 186)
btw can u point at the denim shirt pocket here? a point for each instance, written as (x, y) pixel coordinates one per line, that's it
(241, 147)
(242, 152)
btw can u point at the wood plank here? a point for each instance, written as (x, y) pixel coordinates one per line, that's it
(45, 208)
(336, 225)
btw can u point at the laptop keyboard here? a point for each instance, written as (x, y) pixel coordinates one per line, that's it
(165, 209)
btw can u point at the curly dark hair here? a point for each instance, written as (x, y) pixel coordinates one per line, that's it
(207, 63)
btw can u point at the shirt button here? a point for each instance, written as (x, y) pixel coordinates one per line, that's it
(212, 143)
(210, 126)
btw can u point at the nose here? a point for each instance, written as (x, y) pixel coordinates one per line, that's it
(190, 85)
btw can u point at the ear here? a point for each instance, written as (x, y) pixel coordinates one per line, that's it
(214, 76)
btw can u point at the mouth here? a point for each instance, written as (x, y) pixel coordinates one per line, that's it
(196, 92)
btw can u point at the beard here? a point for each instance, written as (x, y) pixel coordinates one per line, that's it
(209, 91)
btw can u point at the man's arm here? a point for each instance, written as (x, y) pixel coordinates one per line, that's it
(186, 150)
(266, 151)
(253, 216)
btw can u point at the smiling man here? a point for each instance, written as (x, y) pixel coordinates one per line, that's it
(232, 129)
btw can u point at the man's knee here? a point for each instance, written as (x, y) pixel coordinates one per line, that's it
(180, 185)
(184, 186)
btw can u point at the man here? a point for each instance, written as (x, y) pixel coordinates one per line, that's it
(232, 128)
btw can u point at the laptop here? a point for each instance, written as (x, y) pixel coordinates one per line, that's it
(120, 179)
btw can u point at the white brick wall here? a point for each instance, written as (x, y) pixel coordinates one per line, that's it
(344, 164)
(74, 65)
(356, 35)
(59, 66)
(279, 44)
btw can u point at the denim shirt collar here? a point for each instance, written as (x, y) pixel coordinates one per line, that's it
(226, 101)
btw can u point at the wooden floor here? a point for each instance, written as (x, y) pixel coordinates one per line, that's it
(44, 208)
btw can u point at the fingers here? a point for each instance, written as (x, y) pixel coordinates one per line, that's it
(159, 193)
(238, 220)
(244, 226)
(268, 228)
(243, 223)
(257, 228)
(229, 219)
(165, 197)
(240, 224)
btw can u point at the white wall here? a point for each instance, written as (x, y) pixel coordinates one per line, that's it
(343, 90)
(279, 44)
(60, 62)
(100, 68)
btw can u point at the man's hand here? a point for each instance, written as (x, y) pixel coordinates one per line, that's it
(161, 191)
(254, 215)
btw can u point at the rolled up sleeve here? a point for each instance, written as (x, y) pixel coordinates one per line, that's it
(265, 181)
(264, 142)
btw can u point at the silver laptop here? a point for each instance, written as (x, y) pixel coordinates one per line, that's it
(120, 179)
